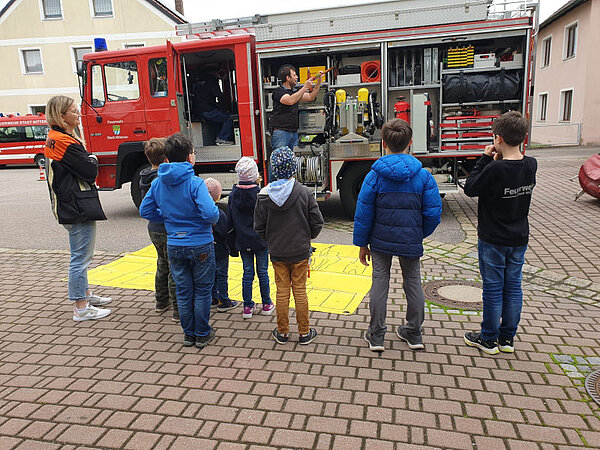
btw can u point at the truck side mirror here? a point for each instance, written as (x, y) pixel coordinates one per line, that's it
(81, 70)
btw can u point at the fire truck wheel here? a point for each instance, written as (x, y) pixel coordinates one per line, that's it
(39, 160)
(2, 166)
(136, 193)
(350, 184)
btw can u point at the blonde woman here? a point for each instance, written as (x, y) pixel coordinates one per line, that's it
(71, 174)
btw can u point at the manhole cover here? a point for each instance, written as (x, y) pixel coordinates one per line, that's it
(454, 294)
(592, 385)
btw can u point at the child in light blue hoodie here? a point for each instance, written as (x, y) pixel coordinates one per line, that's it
(181, 200)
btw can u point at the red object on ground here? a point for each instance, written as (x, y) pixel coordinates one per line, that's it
(589, 176)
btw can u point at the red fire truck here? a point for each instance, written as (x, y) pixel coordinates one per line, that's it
(22, 139)
(448, 66)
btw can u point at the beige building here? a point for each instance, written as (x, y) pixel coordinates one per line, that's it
(41, 40)
(566, 103)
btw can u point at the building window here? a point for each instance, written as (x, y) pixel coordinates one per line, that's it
(133, 45)
(36, 109)
(32, 61)
(542, 107)
(566, 105)
(570, 41)
(52, 9)
(102, 8)
(78, 53)
(546, 49)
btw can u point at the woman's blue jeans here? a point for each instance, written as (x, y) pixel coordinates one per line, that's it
(262, 270)
(193, 270)
(82, 239)
(501, 271)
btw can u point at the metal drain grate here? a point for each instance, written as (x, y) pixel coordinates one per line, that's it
(592, 385)
(454, 294)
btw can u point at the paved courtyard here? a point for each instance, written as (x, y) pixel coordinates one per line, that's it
(126, 381)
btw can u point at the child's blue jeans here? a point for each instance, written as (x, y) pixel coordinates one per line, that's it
(262, 270)
(220, 290)
(193, 269)
(501, 271)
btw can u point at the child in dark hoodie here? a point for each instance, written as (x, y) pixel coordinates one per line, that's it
(398, 206)
(164, 286)
(220, 290)
(181, 200)
(287, 217)
(241, 204)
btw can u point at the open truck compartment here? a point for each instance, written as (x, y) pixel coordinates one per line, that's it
(448, 67)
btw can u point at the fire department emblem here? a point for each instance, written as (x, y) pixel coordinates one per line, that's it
(116, 130)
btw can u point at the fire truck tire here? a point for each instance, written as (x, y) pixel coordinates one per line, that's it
(350, 184)
(39, 160)
(136, 193)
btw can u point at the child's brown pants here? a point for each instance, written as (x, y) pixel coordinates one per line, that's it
(291, 275)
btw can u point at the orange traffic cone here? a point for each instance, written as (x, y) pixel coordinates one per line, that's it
(42, 174)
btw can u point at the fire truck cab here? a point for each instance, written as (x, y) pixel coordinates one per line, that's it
(130, 96)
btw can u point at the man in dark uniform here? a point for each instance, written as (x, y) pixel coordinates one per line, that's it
(284, 118)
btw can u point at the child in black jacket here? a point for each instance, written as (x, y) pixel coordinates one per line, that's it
(242, 201)
(164, 286)
(503, 179)
(221, 233)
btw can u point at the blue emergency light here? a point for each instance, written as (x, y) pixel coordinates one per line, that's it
(100, 45)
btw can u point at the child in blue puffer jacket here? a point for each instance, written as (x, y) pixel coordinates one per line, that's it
(398, 206)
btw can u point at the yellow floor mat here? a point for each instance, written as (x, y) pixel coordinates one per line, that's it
(338, 281)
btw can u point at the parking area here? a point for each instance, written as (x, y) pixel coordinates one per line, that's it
(126, 381)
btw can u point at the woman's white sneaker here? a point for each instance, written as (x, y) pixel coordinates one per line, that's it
(90, 313)
(96, 300)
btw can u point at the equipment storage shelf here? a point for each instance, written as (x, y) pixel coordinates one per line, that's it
(414, 88)
(358, 85)
(477, 70)
(490, 102)
(466, 132)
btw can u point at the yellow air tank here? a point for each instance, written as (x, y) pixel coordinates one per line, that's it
(363, 100)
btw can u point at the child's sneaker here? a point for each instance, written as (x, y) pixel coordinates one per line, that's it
(506, 345)
(175, 317)
(161, 307)
(280, 338)
(96, 300)
(308, 338)
(227, 306)
(473, 339)
(248, 311)
(202, 341)
(375, 345)
(188, 340)
(214, 303)
(90, 313)
(414, 340)
(267, 309)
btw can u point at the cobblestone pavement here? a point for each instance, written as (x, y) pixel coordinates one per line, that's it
(126, 381)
